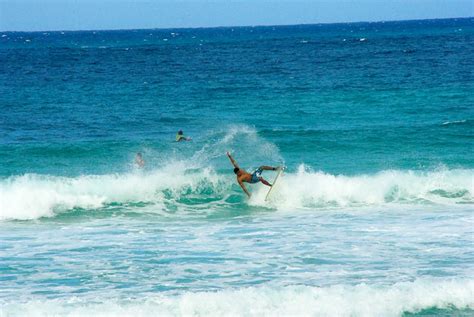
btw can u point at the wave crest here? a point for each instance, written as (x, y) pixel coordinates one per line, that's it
(306, 188)
(33, 196)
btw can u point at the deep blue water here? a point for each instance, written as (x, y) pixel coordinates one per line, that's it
(374, 122)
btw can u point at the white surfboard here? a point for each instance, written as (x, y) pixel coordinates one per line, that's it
(280, 171)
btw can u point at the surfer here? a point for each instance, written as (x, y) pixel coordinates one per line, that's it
(139, 160)
(255, 177)
(180, 137)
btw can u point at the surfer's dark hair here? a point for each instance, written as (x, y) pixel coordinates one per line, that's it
(236, 170)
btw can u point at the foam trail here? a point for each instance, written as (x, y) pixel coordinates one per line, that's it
(337, 300)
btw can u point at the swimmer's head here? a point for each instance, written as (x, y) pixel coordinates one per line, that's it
(180, 132)
(236, 170)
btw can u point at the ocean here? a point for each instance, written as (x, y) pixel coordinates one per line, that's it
(373, 215)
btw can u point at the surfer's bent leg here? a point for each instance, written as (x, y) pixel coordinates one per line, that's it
(267, 168)
(265, 182)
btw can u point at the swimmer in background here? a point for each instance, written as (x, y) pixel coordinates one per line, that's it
(139, 160)
(180, 137)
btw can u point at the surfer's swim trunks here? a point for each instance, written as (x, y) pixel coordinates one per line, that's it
(256, 176)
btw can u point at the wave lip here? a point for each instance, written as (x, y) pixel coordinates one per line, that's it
(338, 300)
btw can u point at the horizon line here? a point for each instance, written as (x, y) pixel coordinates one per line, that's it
(231, 26)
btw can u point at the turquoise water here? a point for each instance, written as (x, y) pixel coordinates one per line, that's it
(372, 217)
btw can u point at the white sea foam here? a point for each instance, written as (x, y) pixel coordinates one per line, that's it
(32, 196)
(338, 300)
(318, 189)
(454, 122)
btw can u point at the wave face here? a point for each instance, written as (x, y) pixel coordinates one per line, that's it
(177, 187)
(444, 297)
(198, 177)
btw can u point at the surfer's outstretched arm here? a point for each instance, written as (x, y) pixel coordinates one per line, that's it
(232, 160)
(244, 188)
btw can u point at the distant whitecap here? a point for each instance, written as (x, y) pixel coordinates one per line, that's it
(454, 122)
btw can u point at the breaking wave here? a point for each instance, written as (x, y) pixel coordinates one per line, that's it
(32, 196)
(306, 188)
(447, 297)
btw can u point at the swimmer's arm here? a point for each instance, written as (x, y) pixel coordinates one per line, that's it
(244, 188)
(232, 160)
